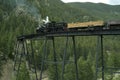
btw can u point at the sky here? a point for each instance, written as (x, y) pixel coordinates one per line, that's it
(112, 2)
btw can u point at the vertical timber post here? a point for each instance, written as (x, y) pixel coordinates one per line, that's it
(33, 57)
(55, 60)
(102, 55)
(64, 59)
(75, 57)
(97, 52)
(100, 50)
(43, 58)
(28, 57)
(21, 56)
(16, 54)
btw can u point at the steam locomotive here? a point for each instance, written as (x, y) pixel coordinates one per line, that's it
(52, 27)
(92, 25)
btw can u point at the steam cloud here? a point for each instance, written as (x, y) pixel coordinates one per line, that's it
(29, 8)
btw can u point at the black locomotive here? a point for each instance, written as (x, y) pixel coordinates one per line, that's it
(52, 27)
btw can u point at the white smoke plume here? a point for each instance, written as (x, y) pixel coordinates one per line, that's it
(29, 8)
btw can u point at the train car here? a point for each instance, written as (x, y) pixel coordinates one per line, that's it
(92, 25)
(79, 26)
(113, 24)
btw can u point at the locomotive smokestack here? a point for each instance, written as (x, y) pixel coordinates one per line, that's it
(46, 20)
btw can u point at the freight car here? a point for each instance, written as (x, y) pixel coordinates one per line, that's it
(113, 24)
(92, 25)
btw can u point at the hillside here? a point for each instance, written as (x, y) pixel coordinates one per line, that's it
(59, 11)
(99, 10)
(21, 17)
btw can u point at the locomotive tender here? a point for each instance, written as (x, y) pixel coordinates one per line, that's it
(92, 25)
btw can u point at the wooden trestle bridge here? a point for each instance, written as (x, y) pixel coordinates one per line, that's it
(22, 52)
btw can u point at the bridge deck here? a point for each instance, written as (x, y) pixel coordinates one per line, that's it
(72, 33)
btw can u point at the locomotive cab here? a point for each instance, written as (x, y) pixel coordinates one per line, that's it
(56, 26)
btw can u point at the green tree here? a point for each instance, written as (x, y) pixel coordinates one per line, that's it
(85, 70)
(23, 73)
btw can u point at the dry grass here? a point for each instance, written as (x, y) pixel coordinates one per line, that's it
(7, 73)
